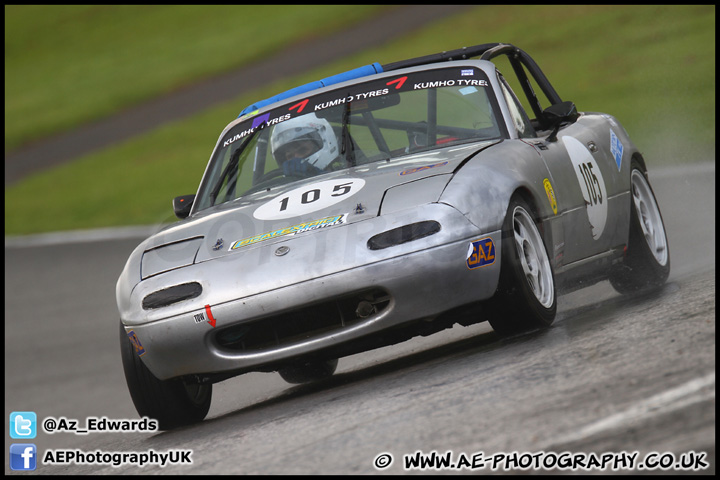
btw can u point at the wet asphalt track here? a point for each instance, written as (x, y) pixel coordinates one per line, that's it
(613, 374)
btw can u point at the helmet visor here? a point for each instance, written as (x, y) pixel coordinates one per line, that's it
(301, 146)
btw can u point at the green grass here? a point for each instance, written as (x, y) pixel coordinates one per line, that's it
(653, 67)
(69, 64)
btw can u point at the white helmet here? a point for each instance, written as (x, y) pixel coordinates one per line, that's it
(308, 127)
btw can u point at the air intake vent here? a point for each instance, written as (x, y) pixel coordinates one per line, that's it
(168, 296)
(313, 321)
(404, 234)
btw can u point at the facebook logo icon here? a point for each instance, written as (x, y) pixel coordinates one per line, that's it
(23, 456)
(23, 425)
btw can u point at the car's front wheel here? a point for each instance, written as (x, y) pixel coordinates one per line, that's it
(526, 298)
(173, 403)
(309, 371)
(647, 260)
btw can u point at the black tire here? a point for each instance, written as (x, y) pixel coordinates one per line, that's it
(309, 371)
(646, 265)
(526, 297)
(173, 403)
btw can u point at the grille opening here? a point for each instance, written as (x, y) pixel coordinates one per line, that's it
(300, 325)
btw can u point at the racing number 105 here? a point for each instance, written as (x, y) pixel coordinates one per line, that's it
(314, 194)
(590, 182)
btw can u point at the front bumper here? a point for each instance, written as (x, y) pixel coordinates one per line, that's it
(422, 279)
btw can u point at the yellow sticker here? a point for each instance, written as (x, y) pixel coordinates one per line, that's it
(550, 195)
(293, 230)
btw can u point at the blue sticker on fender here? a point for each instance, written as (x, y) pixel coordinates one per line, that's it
(136, 343)
(481, 253)
(616, 148)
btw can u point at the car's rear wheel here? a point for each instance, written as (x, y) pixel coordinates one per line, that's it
(309, 371)
(526, 297)
(173, 403)
(647, 260)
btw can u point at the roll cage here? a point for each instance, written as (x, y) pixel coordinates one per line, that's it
(518, 59)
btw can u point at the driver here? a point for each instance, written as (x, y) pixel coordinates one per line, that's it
(304, 146)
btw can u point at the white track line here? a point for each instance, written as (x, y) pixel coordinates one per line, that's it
(680, 170)
(142, 232)
(81, 236)
(669, 400)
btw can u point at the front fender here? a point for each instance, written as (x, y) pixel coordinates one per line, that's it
(481, 189)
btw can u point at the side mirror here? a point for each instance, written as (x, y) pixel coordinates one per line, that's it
(182, 205)
(555, 115)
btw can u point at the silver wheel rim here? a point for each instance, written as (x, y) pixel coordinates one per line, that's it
(533, 257)
(649, 217)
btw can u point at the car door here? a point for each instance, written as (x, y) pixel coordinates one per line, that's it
(586, 178)
(588, 170)
(572, 232)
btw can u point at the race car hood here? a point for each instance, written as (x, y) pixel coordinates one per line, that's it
(298, 209)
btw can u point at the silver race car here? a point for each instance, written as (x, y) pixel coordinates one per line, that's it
(383, 203)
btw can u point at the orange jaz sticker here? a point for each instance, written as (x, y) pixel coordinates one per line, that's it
(550, 195)
(480, 253)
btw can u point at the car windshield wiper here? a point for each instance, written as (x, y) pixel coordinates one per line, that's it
(232, 165)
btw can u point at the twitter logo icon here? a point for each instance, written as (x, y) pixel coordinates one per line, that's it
(23, 425)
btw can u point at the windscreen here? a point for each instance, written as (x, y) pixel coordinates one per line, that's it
(378, 120)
